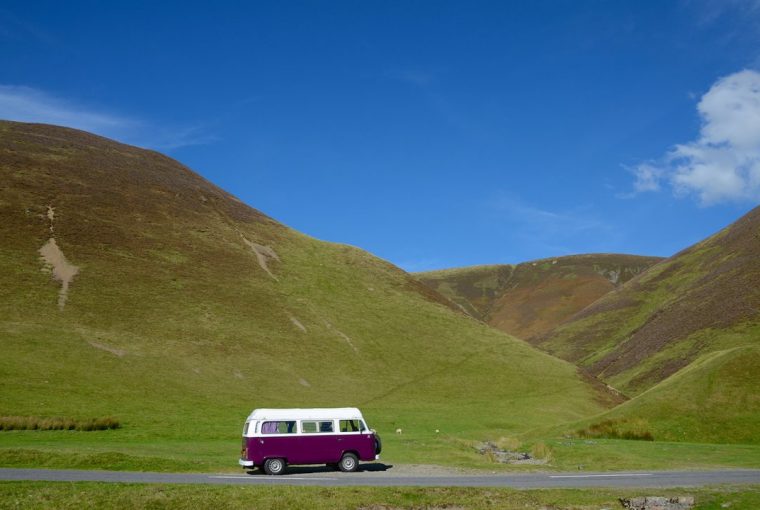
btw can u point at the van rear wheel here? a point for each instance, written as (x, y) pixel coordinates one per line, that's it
(348, 463)
(274, 466)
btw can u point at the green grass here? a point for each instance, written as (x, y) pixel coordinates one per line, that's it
(620, 454)
(125, 496)
(712, 401)
(176, 455)
(715, 399)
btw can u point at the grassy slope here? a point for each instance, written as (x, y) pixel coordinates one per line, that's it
(531, 298)
(704, 299)
(121, 496)
(173, 327)
(714, 399)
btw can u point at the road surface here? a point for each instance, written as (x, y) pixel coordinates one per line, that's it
(377, 478)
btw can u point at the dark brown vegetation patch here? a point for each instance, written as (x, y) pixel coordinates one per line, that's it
(531, 298)
(636, 429)
(57, 423)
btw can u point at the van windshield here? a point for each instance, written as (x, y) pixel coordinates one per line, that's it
(350, 426)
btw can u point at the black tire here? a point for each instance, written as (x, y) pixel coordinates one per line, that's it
(348, 463)
(378, 444)
(274, 466)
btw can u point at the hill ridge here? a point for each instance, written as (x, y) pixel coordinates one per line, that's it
(657, 323)
(531, 297)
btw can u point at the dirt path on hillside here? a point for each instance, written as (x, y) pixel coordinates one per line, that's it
(57, 263)
(263, 255)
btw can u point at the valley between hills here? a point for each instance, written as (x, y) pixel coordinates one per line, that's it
(136, 291)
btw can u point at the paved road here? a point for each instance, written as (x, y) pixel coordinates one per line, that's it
(371, 477)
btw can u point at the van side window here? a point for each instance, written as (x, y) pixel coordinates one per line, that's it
(278, 427)
(313, 427)
(349, 426)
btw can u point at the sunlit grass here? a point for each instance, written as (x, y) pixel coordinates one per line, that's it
(81, 495)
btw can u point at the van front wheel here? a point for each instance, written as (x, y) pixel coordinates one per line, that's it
(274, 466)
(348, 463)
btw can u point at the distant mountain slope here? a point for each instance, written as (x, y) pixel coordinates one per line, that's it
(714, 399)
(533, 297)
(131, 286)
(703, 299)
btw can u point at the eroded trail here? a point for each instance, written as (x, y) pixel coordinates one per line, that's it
(56, 262)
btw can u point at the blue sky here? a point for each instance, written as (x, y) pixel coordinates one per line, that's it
(433, 134)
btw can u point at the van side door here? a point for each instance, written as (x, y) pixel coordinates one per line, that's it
(318, 442)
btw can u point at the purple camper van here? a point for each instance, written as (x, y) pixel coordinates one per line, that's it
(274, 438)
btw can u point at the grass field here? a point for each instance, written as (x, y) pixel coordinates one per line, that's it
(24, 495)
(105, 450)
(714, 399)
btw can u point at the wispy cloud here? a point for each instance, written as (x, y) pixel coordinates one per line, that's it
(27, 104)
(430, 84)
(723, 163)
(647, 178)
(417, 77)
(31, 105)
(709, 11)
(550, 231)
(14, 28)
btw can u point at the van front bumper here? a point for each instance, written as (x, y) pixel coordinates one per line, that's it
(245, 463)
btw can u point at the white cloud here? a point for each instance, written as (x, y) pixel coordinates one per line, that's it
(731, 111)
(723, 164)
(648, 178)
(26, 104)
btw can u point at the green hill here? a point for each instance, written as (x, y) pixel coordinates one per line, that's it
(703, 299)
(132, 287)
(714, 399)
(531, 298)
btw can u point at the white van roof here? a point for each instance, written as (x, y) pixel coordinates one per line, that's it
(334, 413)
